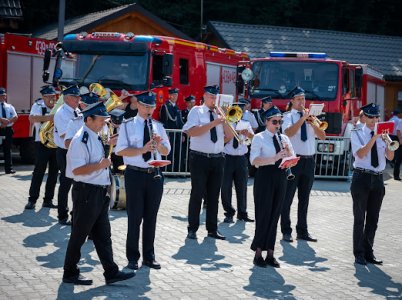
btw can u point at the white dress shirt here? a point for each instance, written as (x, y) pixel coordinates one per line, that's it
(131, 135)
(263, 145)
(241, 149)
(302, 148)
(61, 118)
(396, 121)
(198, 116)
(249, 117)
(36, 110)
(73, 126)
(80, 154)
(10, 112)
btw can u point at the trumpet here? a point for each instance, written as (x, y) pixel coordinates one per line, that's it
(391, 145)
(289, 174)
(233, 115)
(158, 174)
(317, 123)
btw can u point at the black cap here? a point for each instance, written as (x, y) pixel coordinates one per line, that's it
(396, 112)
(190, 98)
(174, 91)
(147, 98)
(72, 90)
(212, 89)
(266, 99)
(297, 91)
(371, 110)
(97, 109)
(89, 98)
(117, 116)
(271, 112)
(47, 90)
(3, 91)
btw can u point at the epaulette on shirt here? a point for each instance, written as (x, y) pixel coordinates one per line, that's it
(357, 128)
(287, 112)
(38, 100)
(127, 120)
(78, 118)
(85, 137)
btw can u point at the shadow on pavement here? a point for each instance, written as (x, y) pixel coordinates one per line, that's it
(269, 284)
(302, 255)
(203, 254)
(234, 232)
(32, 218)
(373, 277)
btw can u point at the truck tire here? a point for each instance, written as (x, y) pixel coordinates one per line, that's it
(27, 151)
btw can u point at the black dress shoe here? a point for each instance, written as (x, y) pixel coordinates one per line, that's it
(12, 171)
(192, 235)
(152, 264)
(245, 219)
(30, 205)
(307, 237)
(259, 262)
(120, 276)
(270, 260)
(133, 265)
(373, 260)
(397, 178)
(360, 260)
(65, 222)
(287, 237)
(48, 205)
(228, 219)
(78, 279)
(216, 235)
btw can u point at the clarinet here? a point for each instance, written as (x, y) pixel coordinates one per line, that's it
(289, 174)
(158, 174)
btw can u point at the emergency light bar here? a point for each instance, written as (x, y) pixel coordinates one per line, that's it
(298, 54)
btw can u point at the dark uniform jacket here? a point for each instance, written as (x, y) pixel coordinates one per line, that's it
(171, 116)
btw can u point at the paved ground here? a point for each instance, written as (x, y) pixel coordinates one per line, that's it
(33, 247)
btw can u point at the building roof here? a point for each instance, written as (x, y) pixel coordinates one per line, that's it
(10, 9)
(384, 53)
(89, 21)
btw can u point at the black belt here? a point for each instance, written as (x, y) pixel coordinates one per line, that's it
(143, 170)
(305, 156)
(213, 155)
(367, 171)
(88, 185)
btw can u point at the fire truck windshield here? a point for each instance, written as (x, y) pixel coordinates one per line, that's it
(128, 72)
(278, 78)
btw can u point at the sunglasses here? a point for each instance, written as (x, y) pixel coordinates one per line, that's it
(276, 122)
(372, 117)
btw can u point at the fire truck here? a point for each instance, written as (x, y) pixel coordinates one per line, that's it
(342, 87)
(21, 60)
(141, 62)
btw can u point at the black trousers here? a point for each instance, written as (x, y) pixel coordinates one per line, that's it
(397, 162)
(144, 194)
(65, 185)
(367, 192)
(44, 157)
(176, 156)
(90, 215)
(303, 182)
(235, 171)
(206, 176)
(269, 194)
(7, 132)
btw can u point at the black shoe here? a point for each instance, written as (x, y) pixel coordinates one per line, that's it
(192, 235)
(228, 219)
(78, 279)
(12, 171)
(216, 235)
(48, 205)
(287, 237)
(373, 260)
(307, 237)
(272, 262)
(259, 262)
(245, 219)
(65, 222)
(133, 265)
(152, 264)
(120, 276)
(30, 205)
(397, 178)
(360, 260)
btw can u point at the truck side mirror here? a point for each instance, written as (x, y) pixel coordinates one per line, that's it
(167, 64)
(46, 63)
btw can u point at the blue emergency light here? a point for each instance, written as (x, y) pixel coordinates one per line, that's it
(318, 55)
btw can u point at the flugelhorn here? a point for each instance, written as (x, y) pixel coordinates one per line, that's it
(289, 174)
(233, 115)
(391, 145)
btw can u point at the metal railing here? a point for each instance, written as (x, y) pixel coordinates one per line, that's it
(333, 158)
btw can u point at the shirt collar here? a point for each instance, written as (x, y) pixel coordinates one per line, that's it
(173, 104)
(268, 133)
(92, 134)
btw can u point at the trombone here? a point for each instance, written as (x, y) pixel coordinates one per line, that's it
(233, 115)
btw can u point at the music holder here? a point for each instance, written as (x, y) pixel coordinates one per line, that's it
(384, 127)
(159, 163)
(289, 162)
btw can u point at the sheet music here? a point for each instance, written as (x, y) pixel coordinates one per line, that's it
(316, 109)
(223, 100)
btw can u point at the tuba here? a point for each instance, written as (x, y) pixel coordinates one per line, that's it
(46, 132)
(112, 102)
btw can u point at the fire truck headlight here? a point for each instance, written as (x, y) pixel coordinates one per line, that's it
(327, 147)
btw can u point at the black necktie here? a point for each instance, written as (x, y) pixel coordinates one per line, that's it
(303, 133)
(374, 154)
(3, 111)
(146, 156)
(276, 144)
(214, 137)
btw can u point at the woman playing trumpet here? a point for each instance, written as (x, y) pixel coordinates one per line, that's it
(269, 185)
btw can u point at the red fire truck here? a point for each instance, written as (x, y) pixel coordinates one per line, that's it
(141, 62)
(21, 61)
(341, 86)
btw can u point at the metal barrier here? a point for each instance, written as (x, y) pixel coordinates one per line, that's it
(333, 158)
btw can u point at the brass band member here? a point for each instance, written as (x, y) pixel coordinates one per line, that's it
(89, 168)
(267, 150)
(266, 103)
(140, 140)
(367, 188)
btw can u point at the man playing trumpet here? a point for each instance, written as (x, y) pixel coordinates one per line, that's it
(302, 133)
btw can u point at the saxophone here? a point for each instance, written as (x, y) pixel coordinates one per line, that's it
(46, 132)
